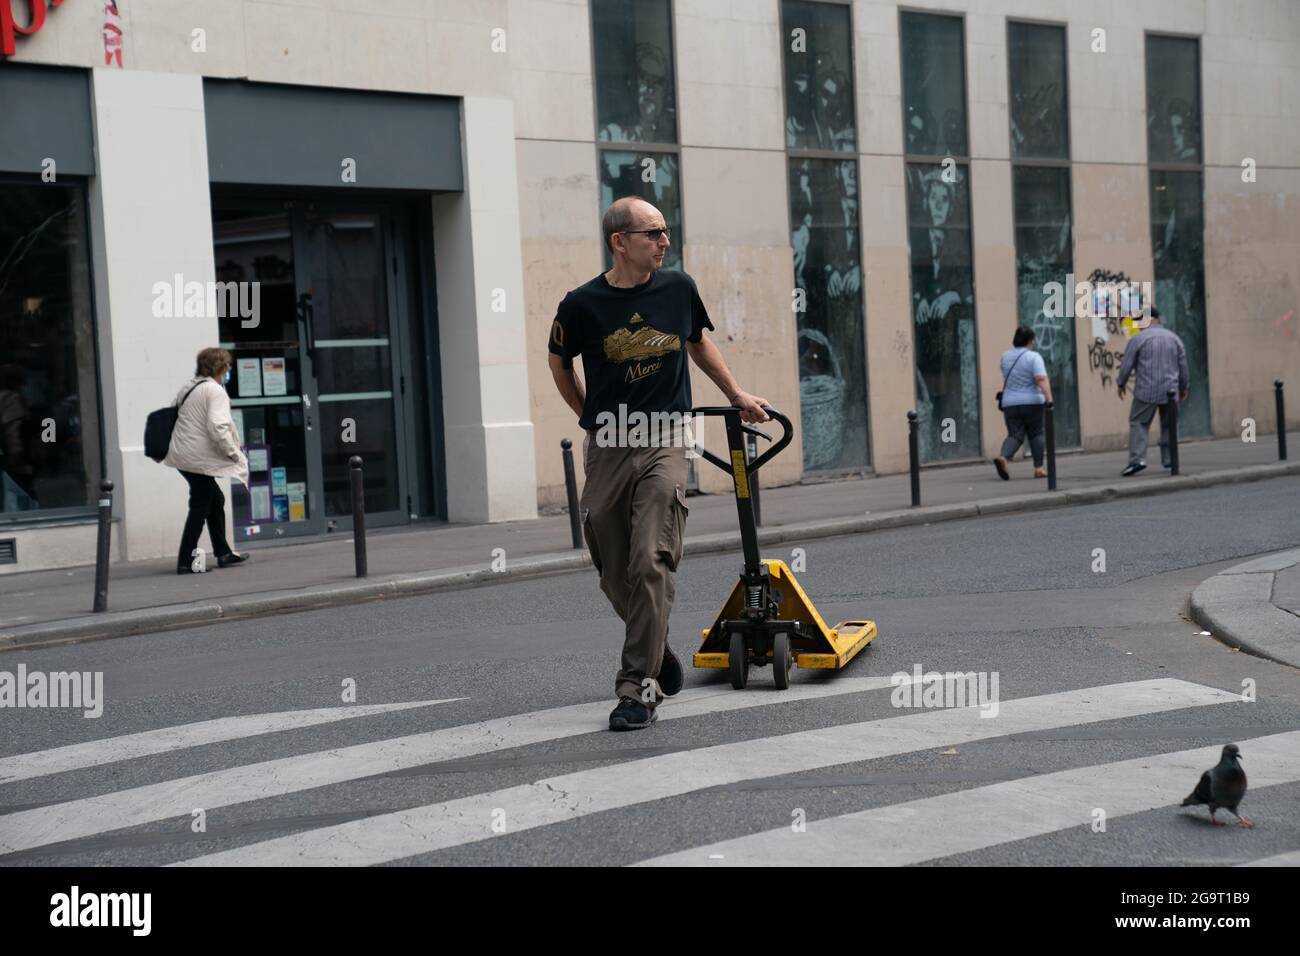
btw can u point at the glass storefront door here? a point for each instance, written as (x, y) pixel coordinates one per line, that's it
(314, 372)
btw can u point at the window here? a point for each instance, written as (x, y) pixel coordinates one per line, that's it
(636, 103)
(1040, 172)
(636, 98)
(1040, 126)
(821, 142)
(653, 177)
(50, 458)
(1173, 100)
(1178, 210)
(934, 85)
(818, 77)
(939, 236)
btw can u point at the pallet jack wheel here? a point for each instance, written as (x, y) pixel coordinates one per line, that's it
(782, 661)
(738, 661)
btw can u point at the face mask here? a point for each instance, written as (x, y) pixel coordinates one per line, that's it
(225, 379)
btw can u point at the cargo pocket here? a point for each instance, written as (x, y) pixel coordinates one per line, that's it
(674, 530)
(590, 537)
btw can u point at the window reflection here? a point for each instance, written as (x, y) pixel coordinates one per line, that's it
(49, 389)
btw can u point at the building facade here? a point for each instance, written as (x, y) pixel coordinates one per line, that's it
(377, 207)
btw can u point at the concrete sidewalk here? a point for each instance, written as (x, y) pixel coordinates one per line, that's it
(43, 607)
(1255, 606)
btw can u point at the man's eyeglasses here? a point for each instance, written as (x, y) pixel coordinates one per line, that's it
(651, 234)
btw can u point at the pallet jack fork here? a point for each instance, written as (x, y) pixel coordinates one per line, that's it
(768, 618)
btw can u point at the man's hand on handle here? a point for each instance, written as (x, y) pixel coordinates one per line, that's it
(751, 407)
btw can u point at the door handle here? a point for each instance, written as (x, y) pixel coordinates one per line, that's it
(306, 315)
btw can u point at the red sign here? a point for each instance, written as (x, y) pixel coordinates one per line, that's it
(8, 28)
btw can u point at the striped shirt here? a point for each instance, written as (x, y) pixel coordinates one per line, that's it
(1160, 361)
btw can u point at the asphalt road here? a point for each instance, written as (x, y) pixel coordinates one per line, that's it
(1107, 697)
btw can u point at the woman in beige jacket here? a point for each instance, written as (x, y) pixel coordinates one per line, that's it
(205, 447)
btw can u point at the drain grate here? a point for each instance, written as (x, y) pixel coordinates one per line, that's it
(8, 550)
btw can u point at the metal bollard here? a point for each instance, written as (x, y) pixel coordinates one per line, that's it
(102, 543)
(358, 515)
(914, 456)
(571, 492)
(1281, 419)
(1173, 432)
(1049, 427)
(751, 448)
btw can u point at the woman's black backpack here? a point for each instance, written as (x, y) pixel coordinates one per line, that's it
(158, 428)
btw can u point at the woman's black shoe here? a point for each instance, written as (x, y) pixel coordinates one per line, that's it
(186, 569)
(234, 557)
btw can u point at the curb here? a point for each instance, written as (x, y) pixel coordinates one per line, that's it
(146, 620)
(1236, 607)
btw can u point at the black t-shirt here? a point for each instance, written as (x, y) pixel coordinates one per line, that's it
(632, 342)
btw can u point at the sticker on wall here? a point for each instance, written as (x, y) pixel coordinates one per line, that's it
(114, 38)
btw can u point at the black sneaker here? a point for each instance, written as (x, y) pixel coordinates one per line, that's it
(234, 557)
(631, 715)
(1133, 469)
(670, 674)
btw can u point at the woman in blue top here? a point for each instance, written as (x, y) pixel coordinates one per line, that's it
(1025, 389)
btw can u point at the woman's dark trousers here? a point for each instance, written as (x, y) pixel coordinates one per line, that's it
(1024, 421)
(207, 506)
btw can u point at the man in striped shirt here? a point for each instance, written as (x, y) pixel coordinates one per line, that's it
(1158, 360)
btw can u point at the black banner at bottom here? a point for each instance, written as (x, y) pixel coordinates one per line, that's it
(334, 905)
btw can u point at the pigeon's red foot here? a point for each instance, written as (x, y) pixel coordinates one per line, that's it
(1217, 823)
(1249, 824)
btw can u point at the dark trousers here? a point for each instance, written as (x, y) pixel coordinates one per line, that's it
(1024, 421)
(207, 506)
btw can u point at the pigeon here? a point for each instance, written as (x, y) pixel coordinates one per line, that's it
(1222, 787)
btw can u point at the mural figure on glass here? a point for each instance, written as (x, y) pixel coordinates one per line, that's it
(943, 310)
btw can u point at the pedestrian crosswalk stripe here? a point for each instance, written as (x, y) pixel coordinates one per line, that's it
(982, 817)
(148, 743)
(90, 816)
(1282, 859)
(393, 836)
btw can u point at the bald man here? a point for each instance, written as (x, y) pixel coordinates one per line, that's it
(633, 327)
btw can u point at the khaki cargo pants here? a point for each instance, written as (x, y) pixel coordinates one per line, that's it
(634, 516)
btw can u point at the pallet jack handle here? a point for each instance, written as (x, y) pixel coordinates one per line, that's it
(754, 576)
(732, 414)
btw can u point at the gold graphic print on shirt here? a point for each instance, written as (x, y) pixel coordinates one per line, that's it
(640, 347)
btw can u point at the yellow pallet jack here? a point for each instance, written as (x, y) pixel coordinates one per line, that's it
(767, 618)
